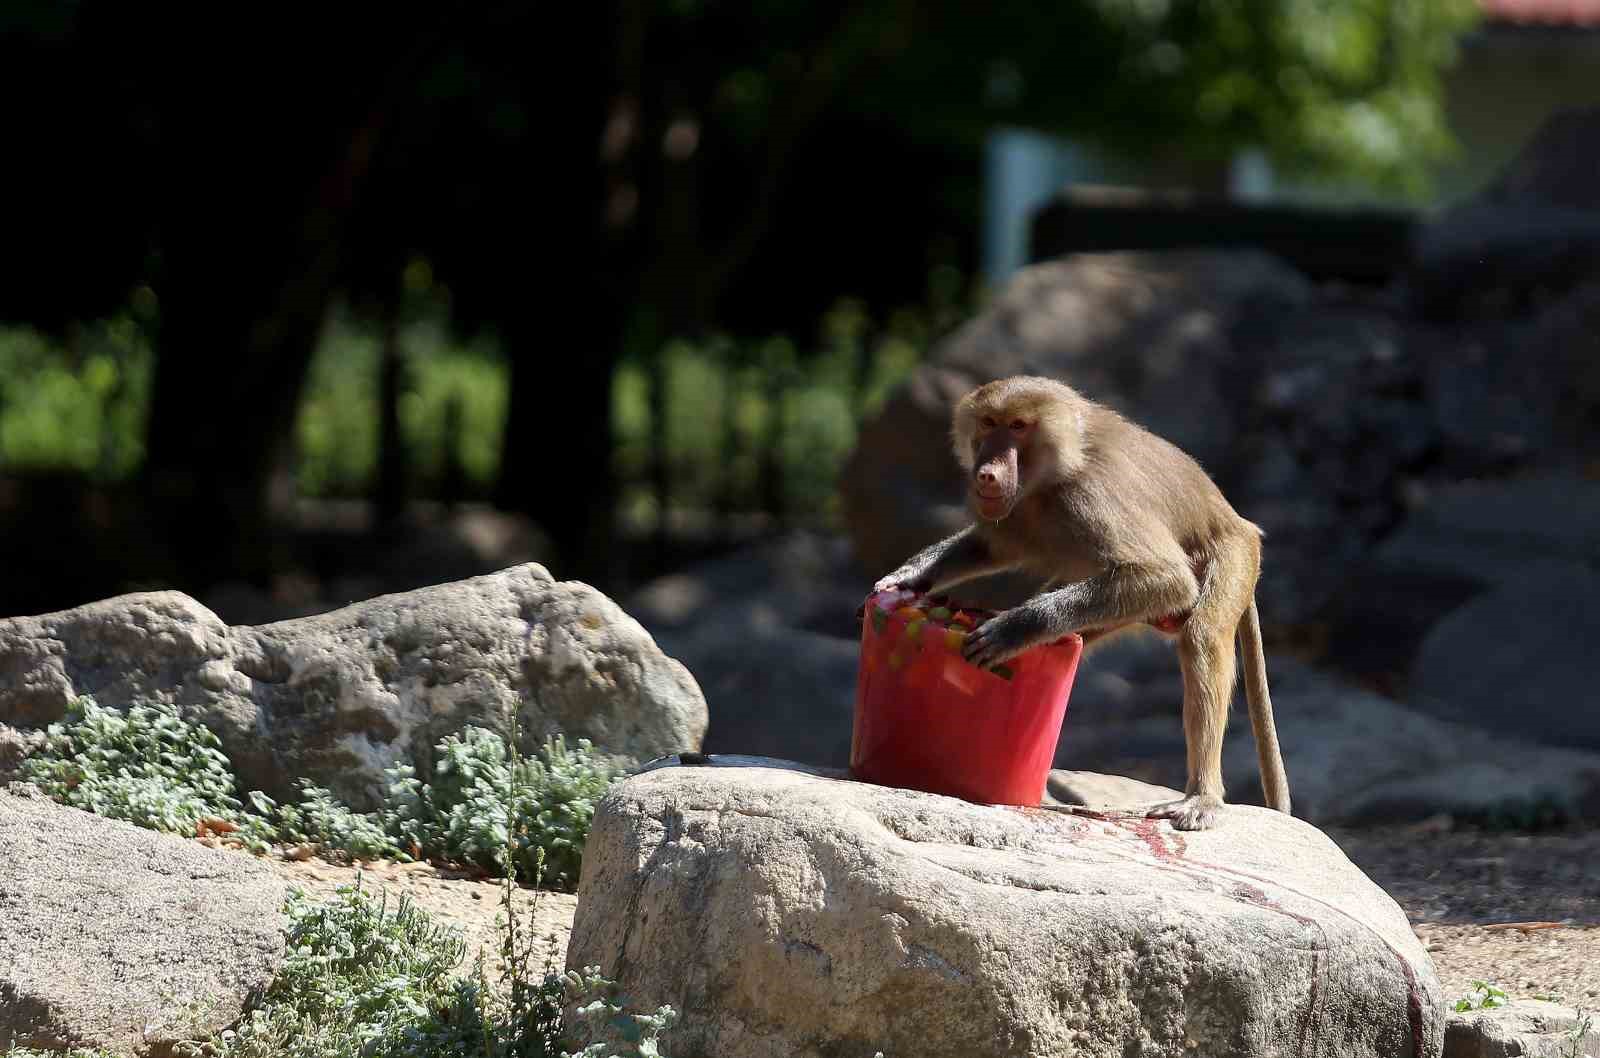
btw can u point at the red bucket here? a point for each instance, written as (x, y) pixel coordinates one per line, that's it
(928, 720)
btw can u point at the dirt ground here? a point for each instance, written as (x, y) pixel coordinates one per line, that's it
(1521, 911)
(469, 902)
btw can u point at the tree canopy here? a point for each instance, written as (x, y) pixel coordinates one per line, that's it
(586, 178)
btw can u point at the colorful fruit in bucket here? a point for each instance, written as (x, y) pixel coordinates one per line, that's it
(928, 719)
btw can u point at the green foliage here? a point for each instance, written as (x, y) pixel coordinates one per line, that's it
(1484, 996)
(330, 825)
(79, 406)
(1578, 1035)
(153, 768)
(606, 1013)
(452, 409)
(465, 814)
(357, 978)
(1333, 90)
(147, 766)
(754, 425)
(360, 978)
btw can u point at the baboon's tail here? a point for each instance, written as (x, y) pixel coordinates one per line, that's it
(1274, 780)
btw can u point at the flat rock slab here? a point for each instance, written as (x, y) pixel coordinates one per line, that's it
(117, 937)
(1523, 1028)
(787, 913)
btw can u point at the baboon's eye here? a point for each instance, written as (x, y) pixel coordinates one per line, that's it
(987, 422)
(1017, 426)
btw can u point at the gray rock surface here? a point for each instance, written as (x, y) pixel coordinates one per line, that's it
(117, 937)
(1535, 227)
(1519, 660)
(1358, 757)
(1523, 1028)
(1502, 532)
(1460, 540)
(15, 745)
(1104, 792)
(337, 697)
(786, 914)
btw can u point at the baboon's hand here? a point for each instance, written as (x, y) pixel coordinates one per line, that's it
(1003, 637)
(904, 578)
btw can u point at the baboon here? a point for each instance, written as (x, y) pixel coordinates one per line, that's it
(1126, 529)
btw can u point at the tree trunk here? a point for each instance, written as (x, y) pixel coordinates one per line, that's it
(556, 459)
(221, 421)
(393, 462)
(556, 464)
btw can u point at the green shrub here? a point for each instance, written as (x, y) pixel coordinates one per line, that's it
(357, 979)
(1484, 996)
(463, 815)
(153, 768)
(147, 766)
(331, 826)
(361, 979)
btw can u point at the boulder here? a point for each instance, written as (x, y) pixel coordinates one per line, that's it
(1460, 540)
(1355, 757)
(785, 913)
(338, 697)
(1523, 1028)
(1534, 229)
(122, 938)
(1499, 532)
(1520, 660)
(1509, 392)
(15, 745)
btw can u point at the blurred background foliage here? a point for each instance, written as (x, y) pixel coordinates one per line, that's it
(631, 267)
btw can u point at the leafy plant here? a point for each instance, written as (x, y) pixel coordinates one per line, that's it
(360, 978)
(480, 786)
(357, 978)
(332, 826)
(1578, 1035)
(153, 768)
(1484, 996)
(148, 766)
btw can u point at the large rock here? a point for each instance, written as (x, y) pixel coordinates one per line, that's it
(1519, 660)
(122, 938)
(1460, 540)
(339, 696)
(1493, 533)
(15, 745)
(789, 914)
(1535, 228)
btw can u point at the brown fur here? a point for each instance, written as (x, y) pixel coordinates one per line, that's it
(1134, 531)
